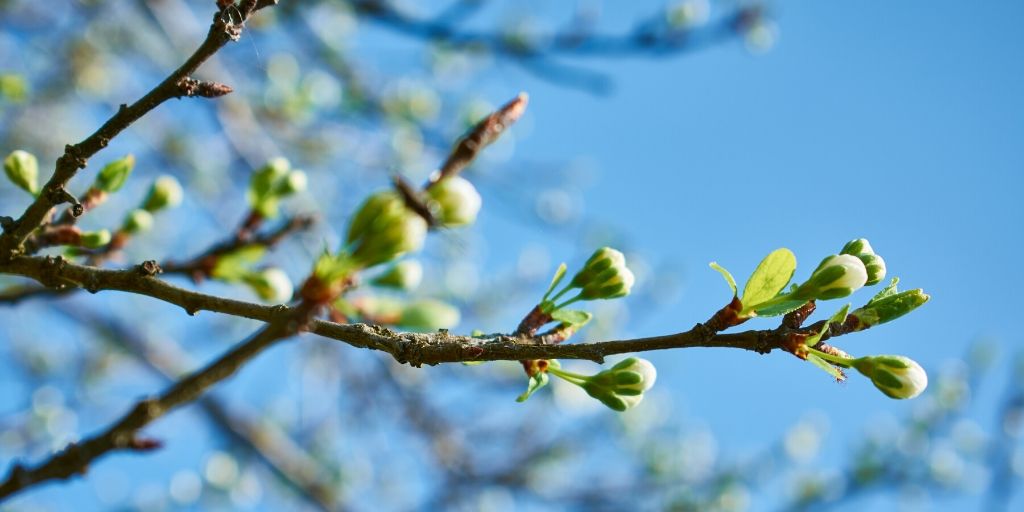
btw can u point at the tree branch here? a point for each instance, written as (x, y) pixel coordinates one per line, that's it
(415, 349)
(123, 435)
(227, 26)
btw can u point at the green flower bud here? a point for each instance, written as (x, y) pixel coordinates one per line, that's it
(95, 239)
(875, 266)
(113, 176)
(271, 285)
(165, 193)
(22, 169)
(429, 315)
(384, 229)
(458, 200)
(604, 276)
(889, 308)
(837, 276)
(404, 275)
(857, 247)
(137, 221)
(897, 376)
(267, 183)
(622, 386)
(294, 183)
(602, 259)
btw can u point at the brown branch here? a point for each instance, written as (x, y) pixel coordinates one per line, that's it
(483, 134)
(227, 26)
(415, 349)
(124, 434)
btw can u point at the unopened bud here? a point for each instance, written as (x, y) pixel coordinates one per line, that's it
(95, 239)
(404, 275)
(293, 183)
(857, 247)
(384, 229)
(897, 376)
(271, 285)
(875, 266)
(429, 315)
(22, 169)
(622, 386)
(113, 176)
(165, 193)
(458, 200)
(137, 221)
(889, 308)
(604, 276)
(837, 276)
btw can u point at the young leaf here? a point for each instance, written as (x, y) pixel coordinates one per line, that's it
(559, 274)
(836, 373)
(539, 380)
(769, 278)
(887, 291)
(573, 317)
(837, 318)
(780, 308)
(725, 273)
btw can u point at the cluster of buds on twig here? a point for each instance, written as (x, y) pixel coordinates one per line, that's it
(269, 284)
(165, 193)
(837, 276)
(271, 183)
(620, 387)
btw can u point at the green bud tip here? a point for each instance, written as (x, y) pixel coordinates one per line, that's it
(137, 221)
(95, 239)
(384, 229)
(114, 175)
(890, 308)
(165, 193)
(457, 199)
(875, 266)
(837, 276)
(622, 386)
(295, 182)
(857, 247)
(898, 377)
(22, 169)
(271, 285)
(404, 275)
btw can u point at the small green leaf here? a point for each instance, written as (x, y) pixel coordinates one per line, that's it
(233, 266)
(573, 317)
(473, 363)
(840, 316)
(725, 273)
(837, 318)
(836, 373)
(536, 382)
(780, 308)
(559, 274)
(769, 278)
(890, 289)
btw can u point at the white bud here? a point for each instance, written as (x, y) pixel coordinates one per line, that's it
(458, 200)
(271, 285)
(898, 377)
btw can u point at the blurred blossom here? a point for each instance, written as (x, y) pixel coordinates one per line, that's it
(221, 470)
(761, 35)
(462, 278)
(324, 91)
(946, 466)
(555, 206)
(248, 492)
(185, 487)
(149, 497)
(803, 441)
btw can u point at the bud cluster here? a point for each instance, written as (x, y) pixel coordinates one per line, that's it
(383, 229)
(620, 387)
(165, 193)
(270, 183)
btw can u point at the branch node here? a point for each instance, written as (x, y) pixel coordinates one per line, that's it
(150, 268)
